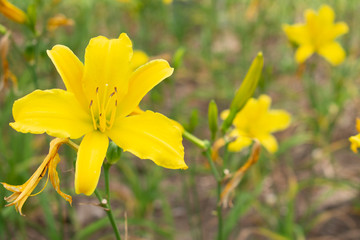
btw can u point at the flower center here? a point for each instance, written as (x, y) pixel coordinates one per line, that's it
(103, 111)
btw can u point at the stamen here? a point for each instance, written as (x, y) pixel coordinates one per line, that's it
(97, 98)
(113, 114)
(108, 101)
(92, 115)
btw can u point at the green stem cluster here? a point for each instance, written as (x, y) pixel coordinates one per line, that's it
(206, 147)
(105, 202)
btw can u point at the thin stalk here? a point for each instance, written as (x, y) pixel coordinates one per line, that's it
(205, 145)
(218, 193)
(106, 204)
(198, 142)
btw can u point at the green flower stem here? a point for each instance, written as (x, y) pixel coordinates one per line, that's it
(106, 204)
(205, 145)
(218, 193)
(198, 142)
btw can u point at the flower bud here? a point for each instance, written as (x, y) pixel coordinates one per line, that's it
(213, 119)
(113, 153)
(246, 90)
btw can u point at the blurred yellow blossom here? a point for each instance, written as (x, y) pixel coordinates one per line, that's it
(12, 12)
(257, 121)
(167, 2)
(22, 192)
(318, 35)
(101, 95)
(58, 21)
(355, 140)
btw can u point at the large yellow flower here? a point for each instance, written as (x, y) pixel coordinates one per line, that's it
(318, 35)
(257, 121)
(100, 96)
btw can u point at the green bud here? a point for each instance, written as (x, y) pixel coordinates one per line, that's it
(178, 57)
(246, 90)
(193, 121)
(213, 119)
(32, 16)
(113, 153)
(3, 29)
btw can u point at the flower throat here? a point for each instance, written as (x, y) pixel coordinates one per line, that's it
(103, 111)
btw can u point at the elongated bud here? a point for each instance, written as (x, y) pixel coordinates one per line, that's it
(113, 153)
(178, 57)
(213, 119)
(246, 90)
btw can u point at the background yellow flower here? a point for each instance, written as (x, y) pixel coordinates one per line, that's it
(257, 121)
(318, 35)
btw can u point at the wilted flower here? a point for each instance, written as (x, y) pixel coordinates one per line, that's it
(6, 72)
(58, 21)
(12, 12)
(22, 192)
(318, 35)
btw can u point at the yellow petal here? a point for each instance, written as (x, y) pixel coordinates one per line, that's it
(269, 142)
(150, 136)
(239, 143)
(224, 114)
(55, 112)
(355, 143)
(339, 29)
(326, 15)
(254, 110)
(70, 69)
(277, 120)
(12, 12)
(333, 53)
(139, 58)
(297, 33)
(142, 81)
(107, 65)
(304, 52)
(310, 17)
(90, 158)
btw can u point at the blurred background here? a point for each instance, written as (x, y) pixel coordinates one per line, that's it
(308, 189)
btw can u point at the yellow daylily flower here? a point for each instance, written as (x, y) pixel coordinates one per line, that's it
(12, 12)
(257, 121)
(355, 140)
(22, 192)
(100, 96)
(318, 35)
